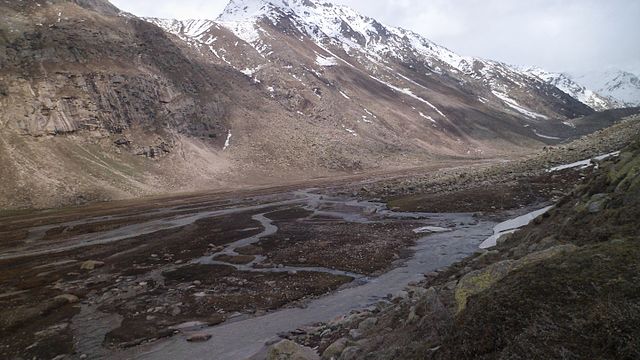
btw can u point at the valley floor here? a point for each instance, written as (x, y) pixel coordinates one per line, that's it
(154, 277)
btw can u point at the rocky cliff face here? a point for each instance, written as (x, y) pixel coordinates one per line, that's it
(87, 92)
(81, 70)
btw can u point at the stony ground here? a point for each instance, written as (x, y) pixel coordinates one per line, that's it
(564, 287)
(158, 280)
(499, 185)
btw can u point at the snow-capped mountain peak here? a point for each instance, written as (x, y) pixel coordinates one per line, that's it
(328, 23)
(313, 18)
(240, 10)
(340, 25)
(618, 84)
(289, 32)
(565, 83)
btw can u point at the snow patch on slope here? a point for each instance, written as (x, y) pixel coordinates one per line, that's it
(326, 61)
(514, 105)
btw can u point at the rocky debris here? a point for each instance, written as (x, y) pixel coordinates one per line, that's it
(68, 298)
(155, 151)
(333, 351)
(368, 323)
(52, 330)
(350, 353)
(199, 337)
(439, 190)
(215, 319)
(122, 142)
(289, 350)
(550, 275)
(91, 265)
(399, 296)
(597, 203)
(480, 280)
(355, 334)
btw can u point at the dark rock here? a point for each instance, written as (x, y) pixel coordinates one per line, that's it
(199, 337)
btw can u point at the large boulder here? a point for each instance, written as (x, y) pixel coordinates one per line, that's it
(289, 350)
(480, 280)
(597, 203)
(333, 351)
(543, 255)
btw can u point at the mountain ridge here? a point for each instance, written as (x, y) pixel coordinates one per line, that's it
(185, 106)
(322, 18)
(566, 83)
(240, 14)
(624, 86)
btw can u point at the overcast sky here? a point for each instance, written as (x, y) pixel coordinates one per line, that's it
(558, 35)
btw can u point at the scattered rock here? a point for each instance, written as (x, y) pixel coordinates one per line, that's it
(215, 319)
(52, 330)
(350, 353)
(334, 350)
(597, 203)
(400, 295)
(479, 280)
(417, 291)
(68, 298)
(289, 350)
(543, 255)
(367, 324)
(200, 337)
(91, 265)
(413, 316)
(355, 334)
(451, 285)
(503, 238)
(122, 142)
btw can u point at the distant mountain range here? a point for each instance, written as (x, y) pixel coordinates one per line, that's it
(271, 89)
(622, 86)
(613, 88)
(566, 83)
(324, 22)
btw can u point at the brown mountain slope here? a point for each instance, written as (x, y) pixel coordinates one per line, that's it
(99, 105)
